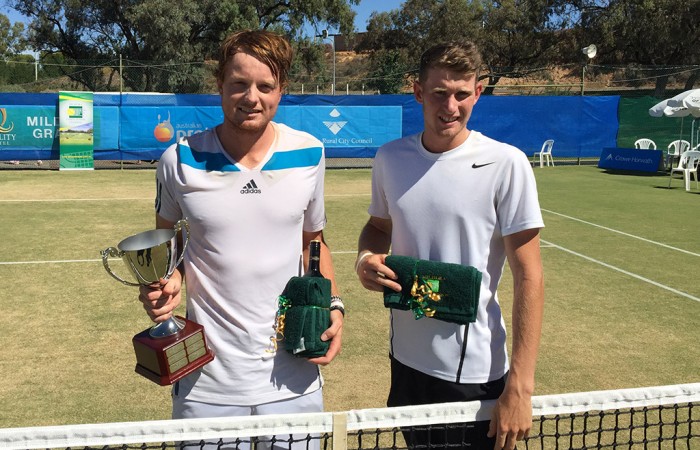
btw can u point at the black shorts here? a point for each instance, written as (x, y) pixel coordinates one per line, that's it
(412, 387)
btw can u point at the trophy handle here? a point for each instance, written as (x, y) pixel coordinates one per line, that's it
(182, 223)
(113, 252)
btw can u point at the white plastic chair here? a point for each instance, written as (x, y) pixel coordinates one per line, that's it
(545, 153)
(645, 143)
(675, 149)
(687, 165)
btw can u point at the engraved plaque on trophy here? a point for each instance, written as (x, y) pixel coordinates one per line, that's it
(176, 347)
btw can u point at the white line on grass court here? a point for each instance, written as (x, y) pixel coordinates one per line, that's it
(623, 233)
(55, 200)
(12, 263)
(351, 252)
(633, 275)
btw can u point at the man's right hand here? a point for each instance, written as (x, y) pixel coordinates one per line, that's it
(374, 274)
(160, 299)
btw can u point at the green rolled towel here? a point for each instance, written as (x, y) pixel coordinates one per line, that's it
(444, 291)
(303, 328)
(312, 291)
(304, 315)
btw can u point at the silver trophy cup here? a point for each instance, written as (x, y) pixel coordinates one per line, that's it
(177, 347)
(150, 256)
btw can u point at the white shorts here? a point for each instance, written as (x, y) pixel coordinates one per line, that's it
(312, 402)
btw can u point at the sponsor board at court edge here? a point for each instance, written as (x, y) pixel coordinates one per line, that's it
(335, 124)
(349, 126)
(345, 126)
(629, 159)
(36, 126)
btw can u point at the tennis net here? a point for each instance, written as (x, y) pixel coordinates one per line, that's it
(661, 417)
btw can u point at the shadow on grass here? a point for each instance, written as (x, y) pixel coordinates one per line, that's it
(635, 173)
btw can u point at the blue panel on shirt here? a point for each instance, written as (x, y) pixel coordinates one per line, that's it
(304, 157)
(205, 161)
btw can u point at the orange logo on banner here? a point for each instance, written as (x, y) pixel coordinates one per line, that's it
(164, 131)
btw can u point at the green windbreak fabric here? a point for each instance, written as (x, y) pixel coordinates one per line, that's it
(636, 123)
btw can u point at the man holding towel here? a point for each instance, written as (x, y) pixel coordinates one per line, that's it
(453, 195)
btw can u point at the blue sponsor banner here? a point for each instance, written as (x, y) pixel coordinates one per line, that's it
(142, 126)
(344, 127)
(631, 159)
(154, 128)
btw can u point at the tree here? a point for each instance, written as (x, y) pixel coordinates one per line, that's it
(169, 33)
(419, 24)
(15, 67)
(16, 71)
(389, 71)
(309, 64)
(519, 36)
(656, 34)
(12, 39)
(512, 34)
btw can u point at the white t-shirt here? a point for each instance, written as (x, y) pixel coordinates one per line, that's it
(245, 243)
(455, 207)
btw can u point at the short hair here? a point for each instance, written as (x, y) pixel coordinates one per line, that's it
(269, 48)
(460, 56)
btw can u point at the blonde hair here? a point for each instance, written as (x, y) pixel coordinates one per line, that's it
(269, 48)
(459, 56)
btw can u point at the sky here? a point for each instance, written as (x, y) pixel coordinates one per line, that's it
(367, 7)
(363, 10)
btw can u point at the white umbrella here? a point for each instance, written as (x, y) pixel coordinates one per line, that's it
(685, 104)
(676, 111)
(678, 99)
(682, 105)
(692, 102)
(659, 110)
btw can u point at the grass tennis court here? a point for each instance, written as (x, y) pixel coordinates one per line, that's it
(622, 275)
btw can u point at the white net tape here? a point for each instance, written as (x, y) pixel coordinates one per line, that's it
(112, 434)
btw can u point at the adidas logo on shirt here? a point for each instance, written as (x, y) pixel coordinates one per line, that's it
(250, 188)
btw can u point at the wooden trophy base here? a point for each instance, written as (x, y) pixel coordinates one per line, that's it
(165, 360)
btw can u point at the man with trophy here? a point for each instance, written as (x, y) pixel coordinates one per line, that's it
(252, 192)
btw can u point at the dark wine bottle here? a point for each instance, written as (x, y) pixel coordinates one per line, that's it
(314, 269)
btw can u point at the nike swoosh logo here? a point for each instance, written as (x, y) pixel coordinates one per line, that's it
(476, 166)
